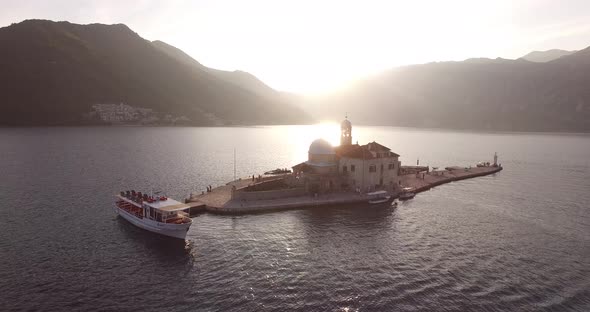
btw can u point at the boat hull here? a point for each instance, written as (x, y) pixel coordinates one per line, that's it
(167, 229)
(407, 196)
(381, 201)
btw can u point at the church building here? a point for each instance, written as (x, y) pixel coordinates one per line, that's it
(348, 167)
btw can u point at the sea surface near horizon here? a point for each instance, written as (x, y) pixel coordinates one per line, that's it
(518, 240)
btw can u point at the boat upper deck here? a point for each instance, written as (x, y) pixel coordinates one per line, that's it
(164, 205)
(168, 205)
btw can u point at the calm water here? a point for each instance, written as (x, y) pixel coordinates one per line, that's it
(518, 240)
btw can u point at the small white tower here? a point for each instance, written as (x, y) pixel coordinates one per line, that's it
(495, 159)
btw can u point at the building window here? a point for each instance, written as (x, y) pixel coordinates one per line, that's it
(372, 168)
(344, 169)
(391, 166)
(352, 168)
(381, 169)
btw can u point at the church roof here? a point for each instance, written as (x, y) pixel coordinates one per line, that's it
(362, 151)
(307, 166)
(359, 152)
(321, 147)
(345, 148)
(376, 147)
(302, 167)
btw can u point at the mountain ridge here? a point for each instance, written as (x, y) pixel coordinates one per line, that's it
(60, 73)
(240, 78)
(546, 56)
(56, 73)
(488, 95)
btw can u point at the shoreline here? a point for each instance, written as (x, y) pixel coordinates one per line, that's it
(426, 129)
(219, 200)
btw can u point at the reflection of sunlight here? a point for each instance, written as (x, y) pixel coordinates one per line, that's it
(327, 131)
(300, 137)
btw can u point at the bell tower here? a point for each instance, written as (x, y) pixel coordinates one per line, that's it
(345, 132)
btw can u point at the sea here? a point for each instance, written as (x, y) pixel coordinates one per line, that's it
(518, 240)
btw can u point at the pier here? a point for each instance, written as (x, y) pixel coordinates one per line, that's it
(219, 200)
(422, 181)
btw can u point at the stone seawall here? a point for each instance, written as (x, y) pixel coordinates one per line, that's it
(264, 195)
(219, 199)
(288, 203)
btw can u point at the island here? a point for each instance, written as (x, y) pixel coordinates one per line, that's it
(349, 174)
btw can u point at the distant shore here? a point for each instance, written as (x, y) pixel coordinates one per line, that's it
(478, 131)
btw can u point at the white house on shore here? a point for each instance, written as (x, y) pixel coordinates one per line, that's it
(348, 167)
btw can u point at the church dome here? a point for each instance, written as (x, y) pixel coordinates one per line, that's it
(321, 147)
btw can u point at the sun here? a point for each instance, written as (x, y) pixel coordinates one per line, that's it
(299, 138)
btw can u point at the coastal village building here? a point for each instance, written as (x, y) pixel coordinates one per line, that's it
(348, 167)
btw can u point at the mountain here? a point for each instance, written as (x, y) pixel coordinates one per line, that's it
(498, 95)
(581, 57)
(59, 73)
(546, 56)
(499, 60)
(177, 54)
(239, 78)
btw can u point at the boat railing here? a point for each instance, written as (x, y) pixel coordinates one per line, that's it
(130, 208)
(179, 218)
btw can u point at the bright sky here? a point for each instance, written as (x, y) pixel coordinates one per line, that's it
(312, 46)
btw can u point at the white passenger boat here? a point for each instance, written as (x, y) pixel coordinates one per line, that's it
(157, 214)
(378, 197)
(407, 193)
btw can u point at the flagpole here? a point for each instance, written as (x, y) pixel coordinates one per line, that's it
(234, 163)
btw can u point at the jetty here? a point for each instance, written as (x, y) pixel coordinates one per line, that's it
(422, 181)
(232, 197)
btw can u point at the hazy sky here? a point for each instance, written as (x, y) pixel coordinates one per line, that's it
(313, 46)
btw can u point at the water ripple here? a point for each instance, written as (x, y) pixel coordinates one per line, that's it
(513, 241)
